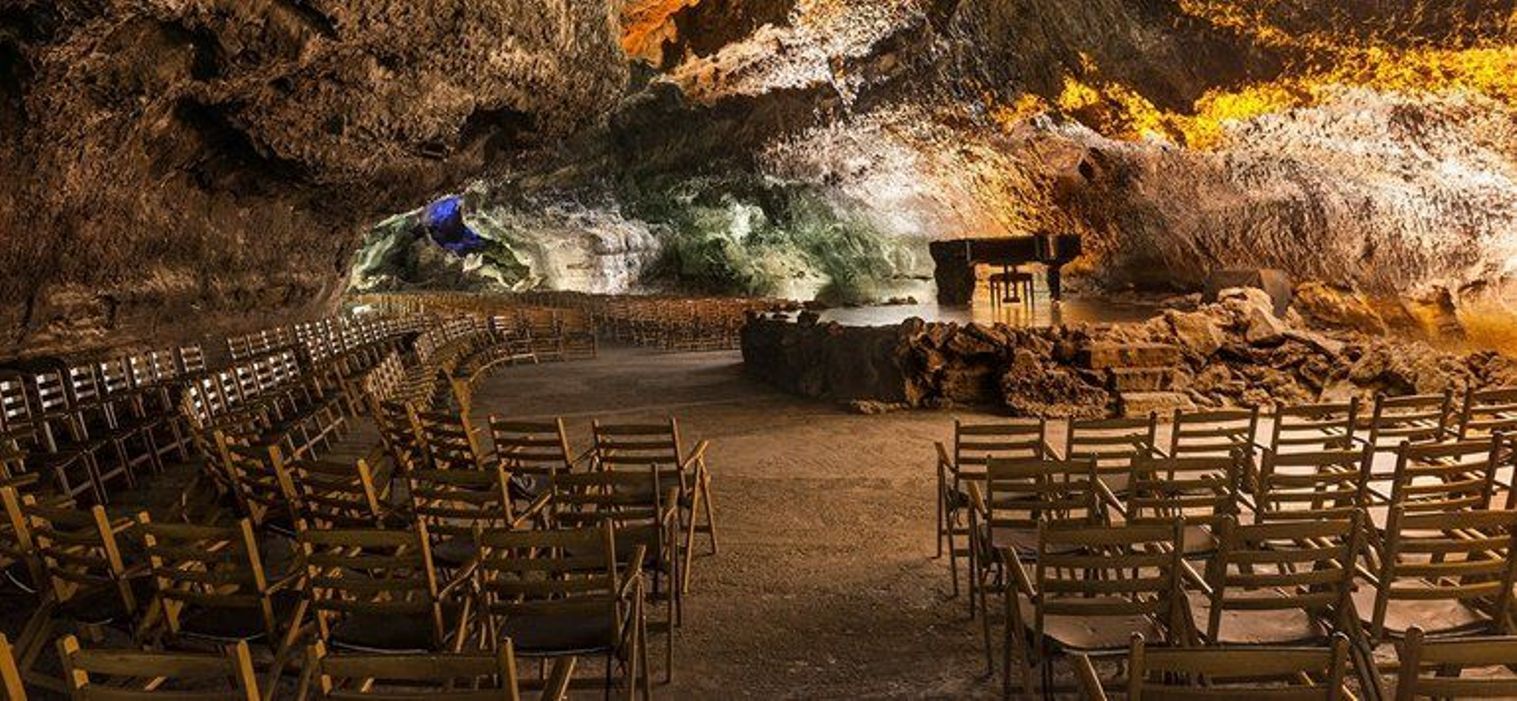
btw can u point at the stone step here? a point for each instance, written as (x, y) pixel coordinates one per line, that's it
(1140, 379)
(1100, 356)
(1133, 404)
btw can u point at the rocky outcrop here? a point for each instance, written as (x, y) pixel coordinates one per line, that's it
(1232, 353)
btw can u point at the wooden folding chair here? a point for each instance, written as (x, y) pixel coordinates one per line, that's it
(1446, 572)
(47, 440)
(480, 676)
(260, 487)
(1423, 418)
(400, 434)
(97, 675)
(1091, 589)
(643, 508)
(1434, 669)
(451, 442)
(1018, 496)
(1440, 477)
(211, 587)
(1280, 583)
(641, 446)
(333, 494)
(375, 590)
(1488, 411)
(974, 445)
(533, 452)
(455, 505)
(89, 583)
(1199, 490)
(1213, 433)
(1312, 485)
(1314, 428)
(1227, 673)
(1113, 443)
(558, 593)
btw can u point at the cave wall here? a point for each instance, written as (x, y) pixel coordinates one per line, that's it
(221, 161)
(215, 161)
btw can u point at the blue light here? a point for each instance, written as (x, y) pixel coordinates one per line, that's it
(444, 223)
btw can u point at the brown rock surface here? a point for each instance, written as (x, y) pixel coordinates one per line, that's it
(216, 160)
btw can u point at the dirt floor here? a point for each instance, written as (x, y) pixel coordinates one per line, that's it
(825, 586)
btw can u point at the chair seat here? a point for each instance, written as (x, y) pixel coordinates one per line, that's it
(1022, 541)
(585, 633)
(1433, 616)
(1092, 633)
(234, 624)
(453, 553)
(389, 632)
(1273, 627)
(102, 605)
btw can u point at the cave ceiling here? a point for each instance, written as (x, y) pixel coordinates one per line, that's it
(227, 160)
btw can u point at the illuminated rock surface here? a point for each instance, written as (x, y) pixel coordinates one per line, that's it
(226, 160)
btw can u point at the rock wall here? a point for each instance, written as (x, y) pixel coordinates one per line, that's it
(215, 161)
(214, 164)
(1236, 352)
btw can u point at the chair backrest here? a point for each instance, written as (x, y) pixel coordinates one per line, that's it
(532, 448)
(1459, 556)
(1432, 669)
(1300, 565)
(1314, 427)
(1109, 571)
(372, 572)
(15, 406)
(1217, 432)
(620, 446)
(1254, 673)
(191, 359)
(399, 432)
(1024, 493)
(260, 486)
(552, 572)
(331, 494)
(1450, 476)
(455, 676)
(158, 673)
(1422, 418)
(1112, 442)
(450, 441)
(976, 444)
(1200, 490)
(79, 552)
(457, 503)
(1488, 411)
(207, 567)
(1315, 485)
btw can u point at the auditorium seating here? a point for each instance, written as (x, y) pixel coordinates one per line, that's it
(1317, 554)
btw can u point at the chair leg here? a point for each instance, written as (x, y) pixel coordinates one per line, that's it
(710, 507)
(940, 523)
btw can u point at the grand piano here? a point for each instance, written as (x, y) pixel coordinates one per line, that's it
(955, 261)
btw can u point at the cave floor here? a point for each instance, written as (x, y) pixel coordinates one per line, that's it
(825, 585)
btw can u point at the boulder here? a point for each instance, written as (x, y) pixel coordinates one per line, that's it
(1329, 306)
(1033, 387)
(1100, 356)
(1275, 283)
(1196, 332)
(1264, 328)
